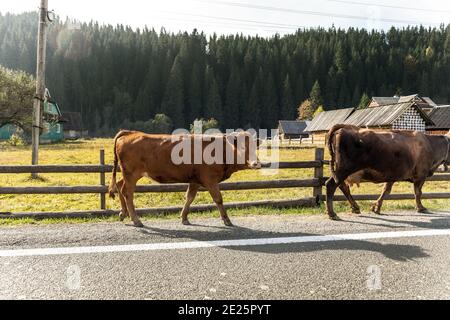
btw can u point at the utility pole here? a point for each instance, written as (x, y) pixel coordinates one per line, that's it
(40, 83)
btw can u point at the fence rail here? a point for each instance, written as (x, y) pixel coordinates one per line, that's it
(316, 183)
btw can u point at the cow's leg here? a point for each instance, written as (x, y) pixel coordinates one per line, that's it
(214, 191)
(376, 208)
(190, 196)
(130, 186)
(346, 191)
(124, 212)
(418, 195)
(331, 189)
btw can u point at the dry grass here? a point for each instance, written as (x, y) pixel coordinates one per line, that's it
(87, 152)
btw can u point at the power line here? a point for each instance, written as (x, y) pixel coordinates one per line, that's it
(314, 13)
(257, 22)
(388, 6)
(233, 25)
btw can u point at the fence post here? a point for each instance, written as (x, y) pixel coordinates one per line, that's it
(318, 174)
(102, 180)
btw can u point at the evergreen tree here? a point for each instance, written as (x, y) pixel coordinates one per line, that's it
(287, 105)
(116, 73)
(253, 118)
(173, 102)
(213, 103)
(232, 100)
(195, 94)
(364, 102)
(315, 96)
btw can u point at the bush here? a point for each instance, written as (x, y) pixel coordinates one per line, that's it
(206, 124)
(160, 124)
(17, 140)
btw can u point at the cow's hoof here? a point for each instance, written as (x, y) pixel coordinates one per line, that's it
(375, 210)
(227, 223)
(356, 211)
(423, 210)
(138, 224)
(334, 217)
(186, 222)
(122, 216)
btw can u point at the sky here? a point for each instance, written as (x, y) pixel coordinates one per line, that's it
(262, 17)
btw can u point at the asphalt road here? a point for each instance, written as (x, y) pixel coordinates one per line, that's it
(392, 256)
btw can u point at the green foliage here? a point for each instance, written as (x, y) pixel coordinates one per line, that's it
(17, 140)
(365, 100)
(287, 105)
(160, 124)
(318, 110)
(206, 125)
(16, 98)
(316, 96)
(118, 73)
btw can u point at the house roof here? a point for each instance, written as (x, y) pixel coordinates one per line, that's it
(292, 126)
(72, 121)
(325, 120)
(383, 115)
(441, 117)
(423, 101)
(385, 100)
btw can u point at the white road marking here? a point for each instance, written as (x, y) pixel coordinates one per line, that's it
(220, 243)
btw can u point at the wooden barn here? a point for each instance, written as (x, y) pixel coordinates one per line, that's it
(399, 116)
(323, 122)
(292, 129)
(441, 118)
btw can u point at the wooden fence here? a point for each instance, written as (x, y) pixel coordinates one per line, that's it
(316, 183)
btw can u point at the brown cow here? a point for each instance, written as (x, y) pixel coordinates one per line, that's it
(381, 157)
(149, 155)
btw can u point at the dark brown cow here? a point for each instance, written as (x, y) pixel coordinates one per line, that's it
(149, 155)
(381, 157)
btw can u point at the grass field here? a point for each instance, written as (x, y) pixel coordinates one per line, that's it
(87, 152)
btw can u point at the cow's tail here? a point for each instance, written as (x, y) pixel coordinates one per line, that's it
(331, 149)
(113, 184)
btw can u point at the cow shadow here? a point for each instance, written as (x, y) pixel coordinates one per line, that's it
(397, 252)
(441, 221)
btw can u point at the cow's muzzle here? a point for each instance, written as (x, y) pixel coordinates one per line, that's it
(254, 165)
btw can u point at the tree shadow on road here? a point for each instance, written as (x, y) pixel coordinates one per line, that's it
(398, 252)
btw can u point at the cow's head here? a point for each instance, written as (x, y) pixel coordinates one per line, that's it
(245, 146)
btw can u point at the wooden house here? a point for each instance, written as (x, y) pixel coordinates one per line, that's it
(52, 130)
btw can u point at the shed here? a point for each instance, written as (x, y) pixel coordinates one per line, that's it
(441, 118)
(292, 129)
(73, 125)
(323, 122)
